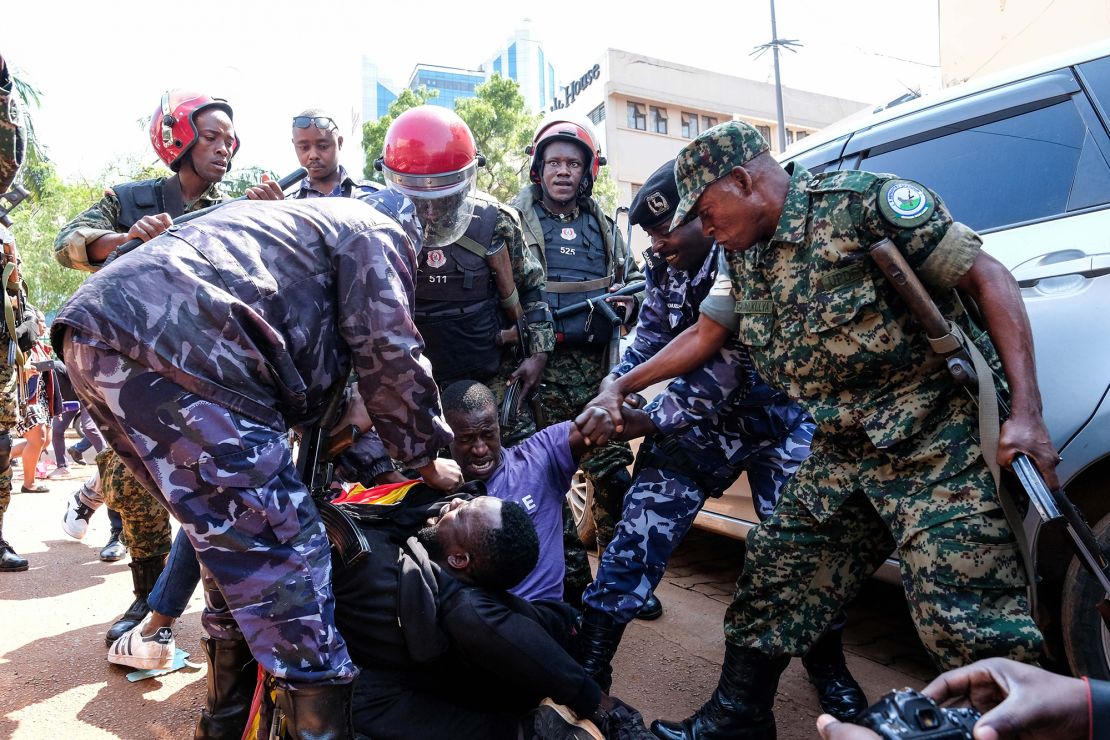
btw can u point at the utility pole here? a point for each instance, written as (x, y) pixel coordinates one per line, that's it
(774, 45)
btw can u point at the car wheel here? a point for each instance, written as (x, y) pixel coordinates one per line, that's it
(580, 497)
(1086, 638)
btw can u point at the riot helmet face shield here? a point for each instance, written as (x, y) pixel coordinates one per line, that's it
(443, 210)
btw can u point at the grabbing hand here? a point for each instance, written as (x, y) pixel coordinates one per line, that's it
(266, 190)
(1017, 700)
(148, 227)
(442, 474)
(1026, 434)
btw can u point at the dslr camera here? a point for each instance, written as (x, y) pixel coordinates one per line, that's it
(910, 715)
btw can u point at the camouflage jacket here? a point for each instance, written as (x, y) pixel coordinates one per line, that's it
(13, 145)
(263, 307)
(726, 383)
(822, 322)
(101, 219)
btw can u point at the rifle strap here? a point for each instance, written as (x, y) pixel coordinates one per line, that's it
(583, 286)
(470, 245)
(989, 430)
(13, 338)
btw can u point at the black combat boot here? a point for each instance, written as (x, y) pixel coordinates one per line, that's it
(114, 549)
(315, 711)
(232, 677)
(837, 691)
(10, 561)
(652, 608)
(144, 574)
(599, 635)
(741, 707)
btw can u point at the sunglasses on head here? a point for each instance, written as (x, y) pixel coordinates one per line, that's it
(321, 122)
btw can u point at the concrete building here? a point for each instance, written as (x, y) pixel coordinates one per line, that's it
(980, 37)
(645, 110)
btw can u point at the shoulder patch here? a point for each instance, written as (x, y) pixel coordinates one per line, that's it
(854, 181)
(905, 203)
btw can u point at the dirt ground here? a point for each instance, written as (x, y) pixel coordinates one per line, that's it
(56, 683)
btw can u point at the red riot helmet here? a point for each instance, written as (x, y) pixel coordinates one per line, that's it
(562, 128)
(173, 126)
(429, 155)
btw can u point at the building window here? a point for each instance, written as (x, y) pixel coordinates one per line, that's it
(765, 132)
(789, 137)
(800, 135)
(597, 115)
(659, 120)
(709, 121)
(636, 189)
(689, 125)
(636, 116)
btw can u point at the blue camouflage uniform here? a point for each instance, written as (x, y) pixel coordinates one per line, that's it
(714, 424)
(233, 328)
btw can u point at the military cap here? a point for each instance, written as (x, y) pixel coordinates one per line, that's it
(656, 200)
(710, 157)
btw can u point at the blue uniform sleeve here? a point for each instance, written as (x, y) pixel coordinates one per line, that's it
(652, 333)
(702, 392)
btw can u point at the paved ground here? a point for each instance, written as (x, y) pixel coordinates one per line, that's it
(55, 682)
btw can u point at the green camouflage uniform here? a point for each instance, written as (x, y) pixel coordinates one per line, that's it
(13, 145)
(146, 523)
(103, 218)
(571, 379)
(12, 150)
(9, 414)
(895, 464)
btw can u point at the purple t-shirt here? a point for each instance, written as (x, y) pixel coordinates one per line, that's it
(536, 474)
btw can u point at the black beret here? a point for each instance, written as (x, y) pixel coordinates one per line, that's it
(657, 199)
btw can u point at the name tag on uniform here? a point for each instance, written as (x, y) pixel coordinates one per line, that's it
(754, 307)
(841, 277)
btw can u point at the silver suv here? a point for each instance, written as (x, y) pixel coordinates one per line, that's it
(1024, 159)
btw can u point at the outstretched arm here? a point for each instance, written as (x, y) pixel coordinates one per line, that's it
(690, 350)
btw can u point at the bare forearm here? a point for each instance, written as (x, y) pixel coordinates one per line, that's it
(99, 250)
(685, 353)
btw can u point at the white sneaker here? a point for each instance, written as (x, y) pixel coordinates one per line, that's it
(58, 473)
(75, 522)
(146, 653)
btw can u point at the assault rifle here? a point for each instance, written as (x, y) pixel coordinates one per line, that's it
(284, 183)
(1053, 508)
(592, 304)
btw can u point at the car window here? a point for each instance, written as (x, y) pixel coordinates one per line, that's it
(1036, 164)
(1096, 75)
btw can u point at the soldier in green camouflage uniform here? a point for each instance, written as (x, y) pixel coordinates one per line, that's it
(562, 221)
(896, 465)
(13, 146)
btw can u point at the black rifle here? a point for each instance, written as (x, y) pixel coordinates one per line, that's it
(284, 183)
(590, 304)
(8, 202)
(1053, 507)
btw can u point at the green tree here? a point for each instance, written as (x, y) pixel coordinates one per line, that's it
(236, 182)
(502, 128)
(373, 132)
(605, 192)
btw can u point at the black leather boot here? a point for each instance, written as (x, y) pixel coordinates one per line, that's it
(10, 560)
(315, 711)
(232, 677)
(741, 707)
(144, 574)
(599, 635)
(837, 691)
(114, 550)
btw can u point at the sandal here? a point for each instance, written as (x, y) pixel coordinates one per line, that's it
(35, 489)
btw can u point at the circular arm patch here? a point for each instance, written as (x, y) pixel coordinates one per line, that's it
(905, 203)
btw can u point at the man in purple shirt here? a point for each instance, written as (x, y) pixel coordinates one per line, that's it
(535, 473)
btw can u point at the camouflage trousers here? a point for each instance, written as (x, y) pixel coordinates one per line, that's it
(9, 414)
(232, 484)
(674, 476)
(146, 523)
(931, 500)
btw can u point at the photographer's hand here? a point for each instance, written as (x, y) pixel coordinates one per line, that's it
(1017, 700)
(831, 729)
